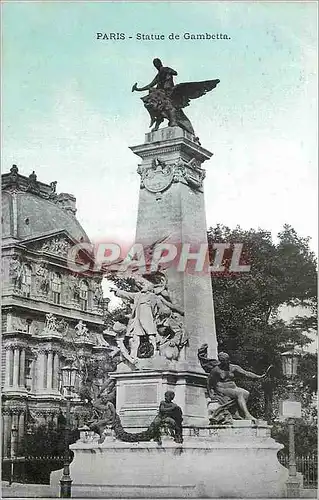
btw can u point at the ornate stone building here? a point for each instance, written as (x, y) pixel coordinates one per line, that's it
(49, 312)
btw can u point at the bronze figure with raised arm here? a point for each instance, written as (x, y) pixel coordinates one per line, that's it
(221, 385)
(167, 99)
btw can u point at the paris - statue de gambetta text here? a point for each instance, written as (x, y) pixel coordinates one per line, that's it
(165, 100)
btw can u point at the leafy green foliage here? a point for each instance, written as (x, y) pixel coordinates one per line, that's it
(246, 306)
(306, 436)
(93, 374)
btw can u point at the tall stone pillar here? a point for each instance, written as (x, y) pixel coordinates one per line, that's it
(40, 370)
(16, 366)
(14, 433)
(7, 380)
(171, 206)
(50, 370)
(22, 368)
(55, 371)
(10, 366)
(21, 433)
(172, 209)
(6, 433)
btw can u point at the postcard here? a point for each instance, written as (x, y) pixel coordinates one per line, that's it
(159, 249)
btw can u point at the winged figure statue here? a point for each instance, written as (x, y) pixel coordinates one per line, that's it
(167, 100)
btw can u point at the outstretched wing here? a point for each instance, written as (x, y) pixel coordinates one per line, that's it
(184, 92)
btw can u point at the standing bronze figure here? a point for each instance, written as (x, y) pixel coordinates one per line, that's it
(166, 100)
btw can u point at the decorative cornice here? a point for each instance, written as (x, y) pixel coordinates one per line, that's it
(15, 344)
(162, 144)
(15, 182)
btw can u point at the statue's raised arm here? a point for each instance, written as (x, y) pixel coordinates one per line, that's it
(167, 99)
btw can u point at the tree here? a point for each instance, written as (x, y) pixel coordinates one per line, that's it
(246, 304)
(306, 437)
(283, 272)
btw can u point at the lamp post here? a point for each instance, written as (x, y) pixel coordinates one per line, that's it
(68, 378)
(291, 409)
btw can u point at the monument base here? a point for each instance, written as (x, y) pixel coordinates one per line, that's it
(138, 395)
(213, 462)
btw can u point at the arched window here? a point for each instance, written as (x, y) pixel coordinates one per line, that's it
(26, 279)
(56, 288)
(84, 294)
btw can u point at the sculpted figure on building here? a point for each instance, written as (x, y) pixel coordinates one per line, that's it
(15, 271)
(57, 246)
(97, 294)
(74, 287)
(81, 331)
(33, 185)
(42, 278)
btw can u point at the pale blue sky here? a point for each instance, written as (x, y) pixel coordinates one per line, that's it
(68, 111)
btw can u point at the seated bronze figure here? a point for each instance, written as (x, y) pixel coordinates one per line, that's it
(222, 389)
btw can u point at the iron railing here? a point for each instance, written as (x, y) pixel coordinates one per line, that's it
(30, 469)
(307, 465)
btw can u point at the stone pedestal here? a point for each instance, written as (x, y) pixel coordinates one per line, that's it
(171, 208)
(213, 462)
(140, 393)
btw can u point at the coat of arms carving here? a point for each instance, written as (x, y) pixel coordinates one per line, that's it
(158, 177)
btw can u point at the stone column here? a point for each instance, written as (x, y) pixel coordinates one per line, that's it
(11, 367)
(14, 433)
(21, 434)
(50, 370)
(55, 371)
(6, 434)
(9, 322)
(16, 366)
(22, 368)
(8, 366)
(40, 370)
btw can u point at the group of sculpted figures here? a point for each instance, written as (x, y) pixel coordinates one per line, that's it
(154, 317)
(167, 100)
(154, 325)
(168, 420)
(230, 404)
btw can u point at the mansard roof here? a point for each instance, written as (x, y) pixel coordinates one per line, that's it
(31, 208)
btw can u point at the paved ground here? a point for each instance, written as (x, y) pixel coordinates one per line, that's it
(18, 490)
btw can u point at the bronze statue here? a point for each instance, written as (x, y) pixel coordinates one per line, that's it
(222, 389)
(168, 420)
(105, 416)
(167, 99)
(151, 316)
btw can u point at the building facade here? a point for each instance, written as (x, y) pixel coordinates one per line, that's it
(49, 312)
